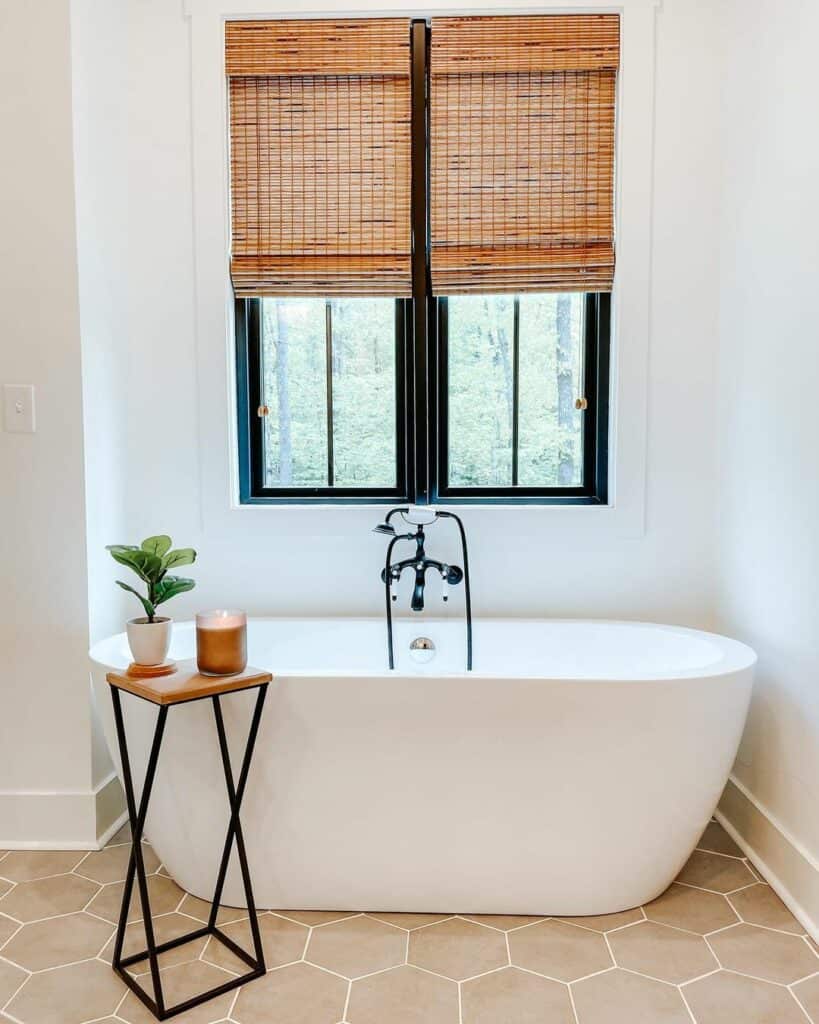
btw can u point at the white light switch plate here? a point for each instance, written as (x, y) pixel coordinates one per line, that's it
(18, 408)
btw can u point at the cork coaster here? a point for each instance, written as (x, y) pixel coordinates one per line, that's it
(151, 671)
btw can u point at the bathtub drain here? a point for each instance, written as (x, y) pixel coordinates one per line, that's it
(422, 649)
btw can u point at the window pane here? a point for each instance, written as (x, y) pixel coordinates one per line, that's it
(481, 346)
(480, 390)
(550, 450)
(364, 392)
(293, 361)
(360, 404)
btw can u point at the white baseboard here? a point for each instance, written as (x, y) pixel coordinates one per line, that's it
(791, 870)
(67, 820)
(106, 836)
(110, 808)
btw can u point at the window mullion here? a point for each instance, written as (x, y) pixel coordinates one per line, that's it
(515, 388)
(328, 357)
(419, 413)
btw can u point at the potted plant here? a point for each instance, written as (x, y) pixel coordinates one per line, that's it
(149, 635)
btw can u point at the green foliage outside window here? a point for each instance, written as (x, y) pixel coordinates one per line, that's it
(294, 359)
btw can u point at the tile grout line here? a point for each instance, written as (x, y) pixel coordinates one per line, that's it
(347, 1000)
(4, 1006)
(799, 1002)
(719, 853)
(714, 892)
(612, 957)
(686, 1004)
(572, 1002)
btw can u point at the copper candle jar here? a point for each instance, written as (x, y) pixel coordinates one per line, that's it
(221, 642)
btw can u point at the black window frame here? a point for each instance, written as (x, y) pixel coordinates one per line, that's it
(250, 385)
(421, 393)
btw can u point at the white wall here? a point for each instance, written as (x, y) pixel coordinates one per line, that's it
(99, 68)
(45, 754)
(769, 426)
(328, 561)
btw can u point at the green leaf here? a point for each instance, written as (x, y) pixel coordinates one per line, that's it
(150, 611)
(147, 567)
(170, 587)
(158, 545)
(181, 556)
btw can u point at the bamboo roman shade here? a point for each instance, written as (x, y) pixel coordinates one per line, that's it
(320, 156)
(522, 153)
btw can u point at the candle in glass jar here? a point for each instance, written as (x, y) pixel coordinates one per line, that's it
(221, 642)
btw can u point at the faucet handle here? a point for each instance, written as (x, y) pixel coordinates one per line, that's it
(445, 583)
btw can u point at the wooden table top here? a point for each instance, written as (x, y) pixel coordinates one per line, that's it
(187, 683)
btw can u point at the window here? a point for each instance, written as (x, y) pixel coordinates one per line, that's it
(328, 377)
(422, 254)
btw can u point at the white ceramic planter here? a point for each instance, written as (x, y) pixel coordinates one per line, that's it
(149, 641)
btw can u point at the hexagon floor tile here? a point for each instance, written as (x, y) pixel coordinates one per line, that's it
(283, 942)
(357, 946)
(606, 923)
(726, 998)
(26, 865)
(658, 951)
(413, 968)
(716, 872)
(164, 896)
(7, 928)
(48, 897)
(11, 978)
(764, 954)
(200, 909)
(178, 984)
(759, 904)
(408, 921)
(56, 942)
(296, 994)
(111, 864)
(68, 995)
(559, 950)
(457, 949)
(404, 995)
(502, 922)
(618, 997)
(166, 927)
(514, 995)
(807, 992)
(716, 840)
(313, 917)
(693, 909)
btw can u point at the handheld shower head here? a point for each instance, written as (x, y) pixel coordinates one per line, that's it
(386, 528)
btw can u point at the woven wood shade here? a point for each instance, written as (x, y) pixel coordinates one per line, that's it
(320, 157)
(522, 114)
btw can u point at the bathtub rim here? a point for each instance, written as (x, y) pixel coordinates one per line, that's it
(110, 653)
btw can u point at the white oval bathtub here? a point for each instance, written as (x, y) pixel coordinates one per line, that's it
(570, 773)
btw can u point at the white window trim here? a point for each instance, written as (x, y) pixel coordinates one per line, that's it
(631, 324)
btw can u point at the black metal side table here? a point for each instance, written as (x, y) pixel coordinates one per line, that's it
(181, 687)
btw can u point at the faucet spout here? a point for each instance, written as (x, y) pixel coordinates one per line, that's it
(417, 602)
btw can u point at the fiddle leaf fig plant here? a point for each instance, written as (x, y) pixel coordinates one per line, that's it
(151, 562)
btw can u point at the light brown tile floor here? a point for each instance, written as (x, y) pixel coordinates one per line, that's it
(718, 947)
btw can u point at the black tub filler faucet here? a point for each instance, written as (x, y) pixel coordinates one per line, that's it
(417, 518)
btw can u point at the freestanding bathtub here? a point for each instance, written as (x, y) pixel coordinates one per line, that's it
(570, 773)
